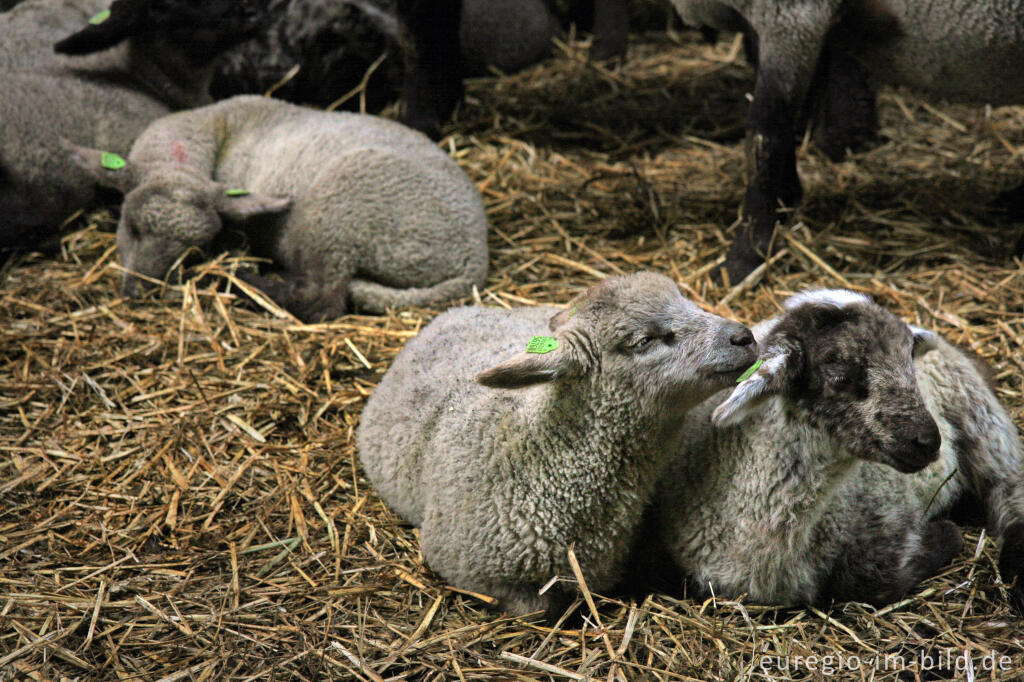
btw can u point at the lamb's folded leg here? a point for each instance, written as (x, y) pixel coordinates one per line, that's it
(309, 301)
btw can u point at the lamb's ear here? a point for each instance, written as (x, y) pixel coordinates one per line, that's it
(241, 204)
(105, 29)
(561, 317)
(778, 367)
(924, 340)
(545, 359)
(106, 168)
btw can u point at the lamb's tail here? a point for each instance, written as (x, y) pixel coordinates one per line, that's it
(373, 297)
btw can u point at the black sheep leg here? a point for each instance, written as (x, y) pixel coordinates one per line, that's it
(845, 102)
(432, 85)
(787, 49)
(611, 28)
(772, 177)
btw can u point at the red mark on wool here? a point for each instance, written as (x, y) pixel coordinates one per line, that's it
(178, 151)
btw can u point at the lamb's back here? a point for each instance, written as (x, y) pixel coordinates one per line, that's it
(428, 406)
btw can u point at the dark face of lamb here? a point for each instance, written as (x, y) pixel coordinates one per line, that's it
(845, 365)
(640, 340)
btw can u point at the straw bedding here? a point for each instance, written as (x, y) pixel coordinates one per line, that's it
(180, 498)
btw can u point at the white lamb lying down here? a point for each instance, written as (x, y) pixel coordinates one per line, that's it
(504, 459)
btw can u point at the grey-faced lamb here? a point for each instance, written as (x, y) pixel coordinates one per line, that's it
(151, 59)
(347, 206)
(959, 50)
(505, 459)
(825, 474)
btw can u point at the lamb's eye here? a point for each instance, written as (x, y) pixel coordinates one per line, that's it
(641, 343)
(841, 378)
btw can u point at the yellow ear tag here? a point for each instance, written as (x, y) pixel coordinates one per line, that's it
(750, 371)
(541, 344)
(99, 17)
(112, 161)
(237, 192)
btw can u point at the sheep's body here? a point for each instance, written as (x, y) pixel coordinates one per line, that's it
(780, 508)
(960, 49)
(29, 30)
(335, 43)
(502, 482)
(378, 212)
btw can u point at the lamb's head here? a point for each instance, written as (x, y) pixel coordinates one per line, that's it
(639, 339)
(845, 366)
(168, 210)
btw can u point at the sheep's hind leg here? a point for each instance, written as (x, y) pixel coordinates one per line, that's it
(844, 99)
(376, 298)
(308, 301)
(788, 48)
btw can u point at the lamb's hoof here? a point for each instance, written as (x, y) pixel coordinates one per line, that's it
(1011, 204)
(836, 142)
(943, 541)
(609, 46)
(1011, 564)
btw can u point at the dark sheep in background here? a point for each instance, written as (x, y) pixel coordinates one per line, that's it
(335, 43)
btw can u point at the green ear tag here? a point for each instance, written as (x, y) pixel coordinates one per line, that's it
(99, 17)
(750, 371)
(112, 161)
(541, 344)
(572, 311)
(237, 192)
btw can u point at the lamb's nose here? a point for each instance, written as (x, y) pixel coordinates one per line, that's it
(928, 439)
(743, 337)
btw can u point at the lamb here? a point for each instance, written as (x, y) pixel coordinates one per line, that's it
(825, 474)
(555, 446)
(335, 43)
(959, 50)
(151, 60)
(346, 205)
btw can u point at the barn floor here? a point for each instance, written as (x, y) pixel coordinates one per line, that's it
(180, 498)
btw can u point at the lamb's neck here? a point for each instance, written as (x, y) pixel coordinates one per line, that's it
(594, 443)
(800, 467)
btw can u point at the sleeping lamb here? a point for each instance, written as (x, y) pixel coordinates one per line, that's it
(822, 475)
(504, 459)
(347, 206)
